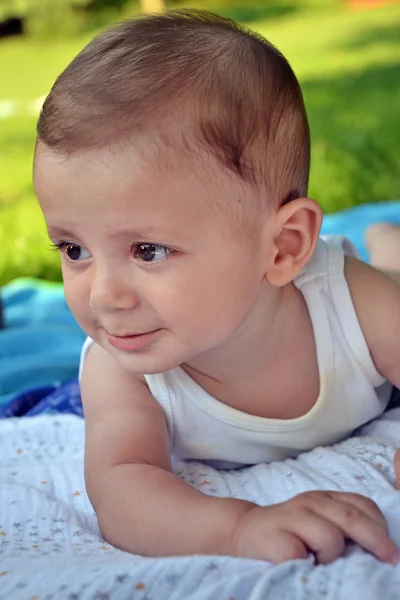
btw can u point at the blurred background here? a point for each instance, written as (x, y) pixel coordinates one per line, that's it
(346, 54)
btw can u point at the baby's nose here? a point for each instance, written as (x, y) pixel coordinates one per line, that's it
(109, 291)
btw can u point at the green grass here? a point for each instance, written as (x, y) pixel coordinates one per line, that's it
(348, 63)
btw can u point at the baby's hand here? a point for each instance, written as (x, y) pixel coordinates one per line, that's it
(317, 522)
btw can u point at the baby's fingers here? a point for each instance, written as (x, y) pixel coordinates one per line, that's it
(366, 505)
(358, 525)
(323, 537)
(282, 547)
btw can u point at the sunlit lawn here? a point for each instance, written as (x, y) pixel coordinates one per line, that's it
(348, 63)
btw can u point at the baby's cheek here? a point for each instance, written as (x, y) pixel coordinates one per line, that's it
(77, 298)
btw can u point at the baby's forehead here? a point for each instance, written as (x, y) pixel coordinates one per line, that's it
(130, 160)
(47, 164)
(48, 158)
(167, 183)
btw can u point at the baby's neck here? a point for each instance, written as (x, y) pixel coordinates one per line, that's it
(263, 361)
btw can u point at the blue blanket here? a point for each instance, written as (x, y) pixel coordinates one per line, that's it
(40, 346)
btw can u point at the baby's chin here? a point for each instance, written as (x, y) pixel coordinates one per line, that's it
(146, 362)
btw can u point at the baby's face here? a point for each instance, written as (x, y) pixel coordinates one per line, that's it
(153, 272)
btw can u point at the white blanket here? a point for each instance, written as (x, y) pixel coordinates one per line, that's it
(50, 546)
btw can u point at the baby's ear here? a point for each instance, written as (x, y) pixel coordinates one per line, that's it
(297, 227)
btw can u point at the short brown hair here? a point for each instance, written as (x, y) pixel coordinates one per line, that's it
(186, 76)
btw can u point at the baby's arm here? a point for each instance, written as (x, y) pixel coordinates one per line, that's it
(142, 507)
(395, 275)
(376, 298)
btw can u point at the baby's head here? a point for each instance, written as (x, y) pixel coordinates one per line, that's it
(178, 137)
(182, 82)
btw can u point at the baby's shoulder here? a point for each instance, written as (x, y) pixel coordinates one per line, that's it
(101, 361)
(376, 299)
(103, 376)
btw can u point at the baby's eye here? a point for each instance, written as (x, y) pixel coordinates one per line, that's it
(73, 252)
(151, 252)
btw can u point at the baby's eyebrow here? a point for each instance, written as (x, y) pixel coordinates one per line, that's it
(149, 232)
(58, 232)
(144, 234)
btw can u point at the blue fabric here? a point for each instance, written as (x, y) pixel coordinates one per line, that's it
(41, 342)
(40, 346)
(353, 222)
(63, 398)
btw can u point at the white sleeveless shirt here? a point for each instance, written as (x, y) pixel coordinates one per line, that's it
(352, 392)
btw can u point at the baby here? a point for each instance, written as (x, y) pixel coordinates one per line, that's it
(171, 166)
